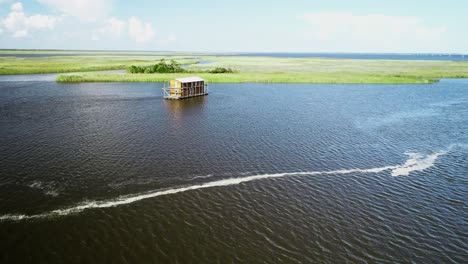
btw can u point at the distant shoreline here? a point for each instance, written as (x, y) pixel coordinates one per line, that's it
(331, 55)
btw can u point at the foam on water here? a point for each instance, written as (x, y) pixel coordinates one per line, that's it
(415, 162)
(47, 188)
(201, 177)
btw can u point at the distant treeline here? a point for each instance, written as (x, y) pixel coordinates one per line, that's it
(172, 67)
(161, 67)
(221, 70)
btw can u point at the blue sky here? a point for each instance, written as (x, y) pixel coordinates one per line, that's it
(256, 26)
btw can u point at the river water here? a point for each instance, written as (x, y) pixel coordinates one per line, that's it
(255, 173)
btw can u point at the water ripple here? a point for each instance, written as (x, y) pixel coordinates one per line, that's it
(416, 162)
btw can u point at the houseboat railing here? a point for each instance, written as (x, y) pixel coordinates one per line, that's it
(184, 92)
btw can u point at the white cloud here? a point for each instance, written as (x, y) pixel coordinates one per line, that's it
(20, 33)
(134, 28)
(18, 7)
(89, 10)
(139, 31)
(19, 24)
(112, 27)
(105, 31)
(370, 33)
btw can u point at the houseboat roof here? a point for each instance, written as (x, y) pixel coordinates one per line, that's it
(190, 79)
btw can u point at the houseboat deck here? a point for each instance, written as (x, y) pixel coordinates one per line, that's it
(177, 97)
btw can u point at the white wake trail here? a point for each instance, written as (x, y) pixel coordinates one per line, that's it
(416, 162)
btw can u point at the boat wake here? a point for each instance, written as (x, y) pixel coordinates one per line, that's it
(415, 162)
(47, 188)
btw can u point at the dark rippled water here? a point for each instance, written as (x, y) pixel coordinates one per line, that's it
(255, 173)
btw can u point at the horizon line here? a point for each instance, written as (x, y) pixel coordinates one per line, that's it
(244, 52)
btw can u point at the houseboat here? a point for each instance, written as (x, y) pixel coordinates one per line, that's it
(185, 88)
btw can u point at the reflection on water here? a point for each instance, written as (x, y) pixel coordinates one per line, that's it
(182, 110)
(28, 77)
(193, 105)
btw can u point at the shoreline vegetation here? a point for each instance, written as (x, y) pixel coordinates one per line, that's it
(344, 78)
(162, 67)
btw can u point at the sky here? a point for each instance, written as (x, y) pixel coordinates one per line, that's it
(397, 26)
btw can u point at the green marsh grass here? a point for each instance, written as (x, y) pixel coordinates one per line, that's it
(245, 69)
(249, 77)
(64, 64)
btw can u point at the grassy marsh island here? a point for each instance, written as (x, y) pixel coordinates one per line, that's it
(82, 63)
(78, 66)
